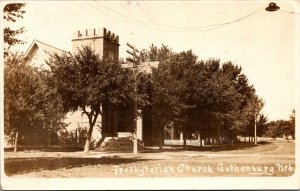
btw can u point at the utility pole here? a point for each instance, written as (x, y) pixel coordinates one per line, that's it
(135, 61)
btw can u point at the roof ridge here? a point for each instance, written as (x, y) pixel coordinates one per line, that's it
(49, 45)
(28, 49)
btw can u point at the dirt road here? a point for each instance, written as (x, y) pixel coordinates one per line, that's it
(271, 159)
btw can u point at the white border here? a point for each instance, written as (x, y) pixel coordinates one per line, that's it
(292, 182)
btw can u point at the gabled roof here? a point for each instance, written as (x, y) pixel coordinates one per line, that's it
(36, 44)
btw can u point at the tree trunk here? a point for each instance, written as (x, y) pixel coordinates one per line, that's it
(76, 137)
(92, 122)
(219, 139)
(201, 142)
(87, 145)
(49, 138)
(92, 116)
(184, 136)
(161, 137)
(16, 142)
(88, 140)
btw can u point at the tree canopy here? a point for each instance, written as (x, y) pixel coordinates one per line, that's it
(11, 13)
(28, 103)
(85, 81)
(282, 128)
(206, 97)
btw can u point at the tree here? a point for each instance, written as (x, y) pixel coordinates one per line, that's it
(164, 103)
(262, 125)
(12, 12)
(282, 128)
(169, 87)
(156, 54)
(85, 81)
(273, 130)
(28, 103)
(219, 99)
(277, 128)
(204, 97)
(292, 124)
(155, 89)
(181, 67)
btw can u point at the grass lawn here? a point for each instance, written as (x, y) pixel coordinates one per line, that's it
(269, 159)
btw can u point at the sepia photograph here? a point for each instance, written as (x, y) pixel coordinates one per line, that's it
(149, 95)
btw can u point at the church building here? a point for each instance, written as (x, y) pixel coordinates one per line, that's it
(114, 122)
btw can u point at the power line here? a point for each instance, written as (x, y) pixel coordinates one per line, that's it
(148, 22)
(133, 16)
(178, 27)
(125, 20)
(292, 12)
(183, 29)
(237, 20)
(153, 33)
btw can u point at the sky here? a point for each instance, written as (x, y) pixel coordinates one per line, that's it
(261, 42)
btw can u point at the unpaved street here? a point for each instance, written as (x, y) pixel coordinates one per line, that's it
(270, 159)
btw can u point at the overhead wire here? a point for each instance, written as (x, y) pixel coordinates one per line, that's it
(153, 33)
(133, 16)
(128, 21)
(183, 29)
(179, 27)
(134, 19)
(292, 12)
(234, 21)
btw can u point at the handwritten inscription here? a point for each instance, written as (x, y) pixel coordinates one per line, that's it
(220, 168)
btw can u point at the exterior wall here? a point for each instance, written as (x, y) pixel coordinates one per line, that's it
(126, 121)
(38, 58)
(109, 121)
(106, 44)
(116, 120)
(76, 120)
(95, 43)
(101, 40)
(38, 52)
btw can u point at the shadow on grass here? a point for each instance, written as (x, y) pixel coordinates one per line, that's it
(14, 166)
(215, 148)
(45, 148)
